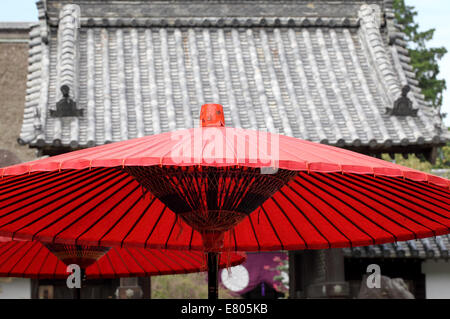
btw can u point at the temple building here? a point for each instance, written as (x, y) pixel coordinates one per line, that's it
(333, 72)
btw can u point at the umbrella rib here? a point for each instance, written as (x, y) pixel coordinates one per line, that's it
(273, 228)
(111, 263)
(192, 237)
(335, 210)
(58, 183)
(43, 263)
(10, 185)
(354, 209)
(254, 232)
(123, 262)
(306, 217)
(134, 258)
(289, 220)
(97, 264)
(170, 233)
(160, 259)
(198, 186)
(430, 187)
(149, 260)
(154, 226)
(415, 189)
(34, 256)
(8, 248)
(25, 251)
(65, 215)
(235, 239)
(11, 180)
(196, 196)
(227, 187)
(318, 211)
(90, 210)
(51, 212)
(395, 210)
(109, 210)
(221, 195)
(137, 220)
(190, 256)
(90, 270)
(12, 250)
(122, 216)
(168, 255)
(14, 179)
(239, 192)
(189, 196)
(374, 181)
(41, 200)
(233, 194)
(370, 208)
(56, 267)
(403, 198)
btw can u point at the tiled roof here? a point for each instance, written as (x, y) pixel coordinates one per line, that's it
(14, 32)
(327, 79)
(15, 25)
(435, 247)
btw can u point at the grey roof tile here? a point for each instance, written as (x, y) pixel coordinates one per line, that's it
(426, 248)
(325, 79)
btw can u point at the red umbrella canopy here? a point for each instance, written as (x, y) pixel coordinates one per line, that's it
(219, 188)
(31, 259)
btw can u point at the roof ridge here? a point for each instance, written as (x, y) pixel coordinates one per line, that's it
(211, 9)
(370, 16)
(17, 25)
(244, 21)
(37, 80)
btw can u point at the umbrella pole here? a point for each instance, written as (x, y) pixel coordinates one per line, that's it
(213, 279)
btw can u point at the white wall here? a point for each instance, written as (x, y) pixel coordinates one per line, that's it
(437, 279)
(15, 288)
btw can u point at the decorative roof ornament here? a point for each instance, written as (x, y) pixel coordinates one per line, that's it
(66, 107)
(403, 106)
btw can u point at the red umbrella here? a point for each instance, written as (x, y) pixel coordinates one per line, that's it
(136, 192)
(32, 259)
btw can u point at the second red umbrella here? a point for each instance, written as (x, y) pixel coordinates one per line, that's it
(28, 259)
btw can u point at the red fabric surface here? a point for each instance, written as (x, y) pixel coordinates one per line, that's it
(33, 260)
(166, 149)
(339, 198)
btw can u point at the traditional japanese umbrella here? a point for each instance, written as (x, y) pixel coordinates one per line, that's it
(209, 188)
(32, 259)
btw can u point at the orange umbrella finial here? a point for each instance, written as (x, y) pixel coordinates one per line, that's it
(212, 115)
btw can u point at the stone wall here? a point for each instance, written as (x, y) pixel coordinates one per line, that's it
(13, 77)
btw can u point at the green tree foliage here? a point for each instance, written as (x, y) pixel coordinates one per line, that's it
(188, 286)
(423, 59)
(443, 160)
